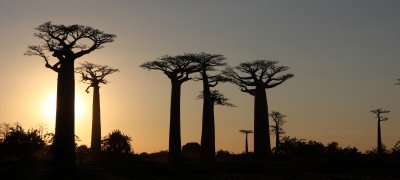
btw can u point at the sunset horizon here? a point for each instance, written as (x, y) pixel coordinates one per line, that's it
(344, 56)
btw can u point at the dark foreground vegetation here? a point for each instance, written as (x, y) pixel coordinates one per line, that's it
(27, 154)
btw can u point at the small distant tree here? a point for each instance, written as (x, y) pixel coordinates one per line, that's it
(380, 118)
(277, 130)
(4, 129)
(396, 149)
(117, 142)
(178, 70)
(246, 142)
(94, 75)
(398, 82)
(254, 78)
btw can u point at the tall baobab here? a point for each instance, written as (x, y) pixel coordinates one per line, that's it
(247, 144)
(177, 69)
(94, 75)
(379, 117)
(208, 131)
(208, 63)
(254, 78)
(278, 119)
(66, 44)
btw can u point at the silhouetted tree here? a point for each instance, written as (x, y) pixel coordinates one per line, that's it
(19, 143)
(117, 142)
(94, 75)
(191, 150)
(396, 149)
(398, 82)
(4, 129)
(247, 144)
(259, 75)
(66, 43)
(277, 129)
(379, 117)
(177, 69)
(216, 98)
(208, 63)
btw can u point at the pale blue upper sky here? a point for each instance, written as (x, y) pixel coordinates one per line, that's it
(345, 55)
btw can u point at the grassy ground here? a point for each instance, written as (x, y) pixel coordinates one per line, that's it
(148, 169)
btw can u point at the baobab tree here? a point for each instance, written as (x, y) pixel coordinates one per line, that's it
(278, 120)
(66, 44)
(177, 69)
(208, 63)
(380, 118)
(254, 78)
(207, 149)
(94, 75)
(247, 143)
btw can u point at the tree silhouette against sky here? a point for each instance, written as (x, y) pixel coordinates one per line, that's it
(380, 118)
(208, 63)
(94, 75)
(246, 143)
(177, 69)
(208, 130)
(278, 120)
(66, 44)
(254, 78)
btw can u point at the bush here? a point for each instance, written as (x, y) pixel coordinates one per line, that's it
(19, 144)
(191, 150)
(117, 142)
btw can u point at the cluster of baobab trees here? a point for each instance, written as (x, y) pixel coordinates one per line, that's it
(252, 77)
(66, 44)
(62, 45)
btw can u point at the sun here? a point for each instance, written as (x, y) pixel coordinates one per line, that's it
(48, 107)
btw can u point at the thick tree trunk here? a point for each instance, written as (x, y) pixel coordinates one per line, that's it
(207, 149)
(262, 145)
(96, 123)
(175, 123)
(379, 148)
(64, 139)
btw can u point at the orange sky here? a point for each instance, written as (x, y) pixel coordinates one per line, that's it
(344, 55)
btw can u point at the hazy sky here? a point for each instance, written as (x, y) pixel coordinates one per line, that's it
(345, 56)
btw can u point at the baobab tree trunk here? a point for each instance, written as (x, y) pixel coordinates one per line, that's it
(379, 148)
(277, 142)
(64, 138)
(96, 123)
(262, 145)
(247, 147)
(207, 149)
(175, 122)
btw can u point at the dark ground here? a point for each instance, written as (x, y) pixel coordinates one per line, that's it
(149, 169)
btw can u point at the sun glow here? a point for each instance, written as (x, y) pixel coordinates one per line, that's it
(48, 107)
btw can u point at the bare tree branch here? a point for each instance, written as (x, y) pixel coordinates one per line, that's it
(94, 74)
(261, 73)
(177, 68)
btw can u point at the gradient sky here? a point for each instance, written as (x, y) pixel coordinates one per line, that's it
(345, 56)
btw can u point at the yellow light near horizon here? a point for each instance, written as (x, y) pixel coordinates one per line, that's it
(48, 107)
